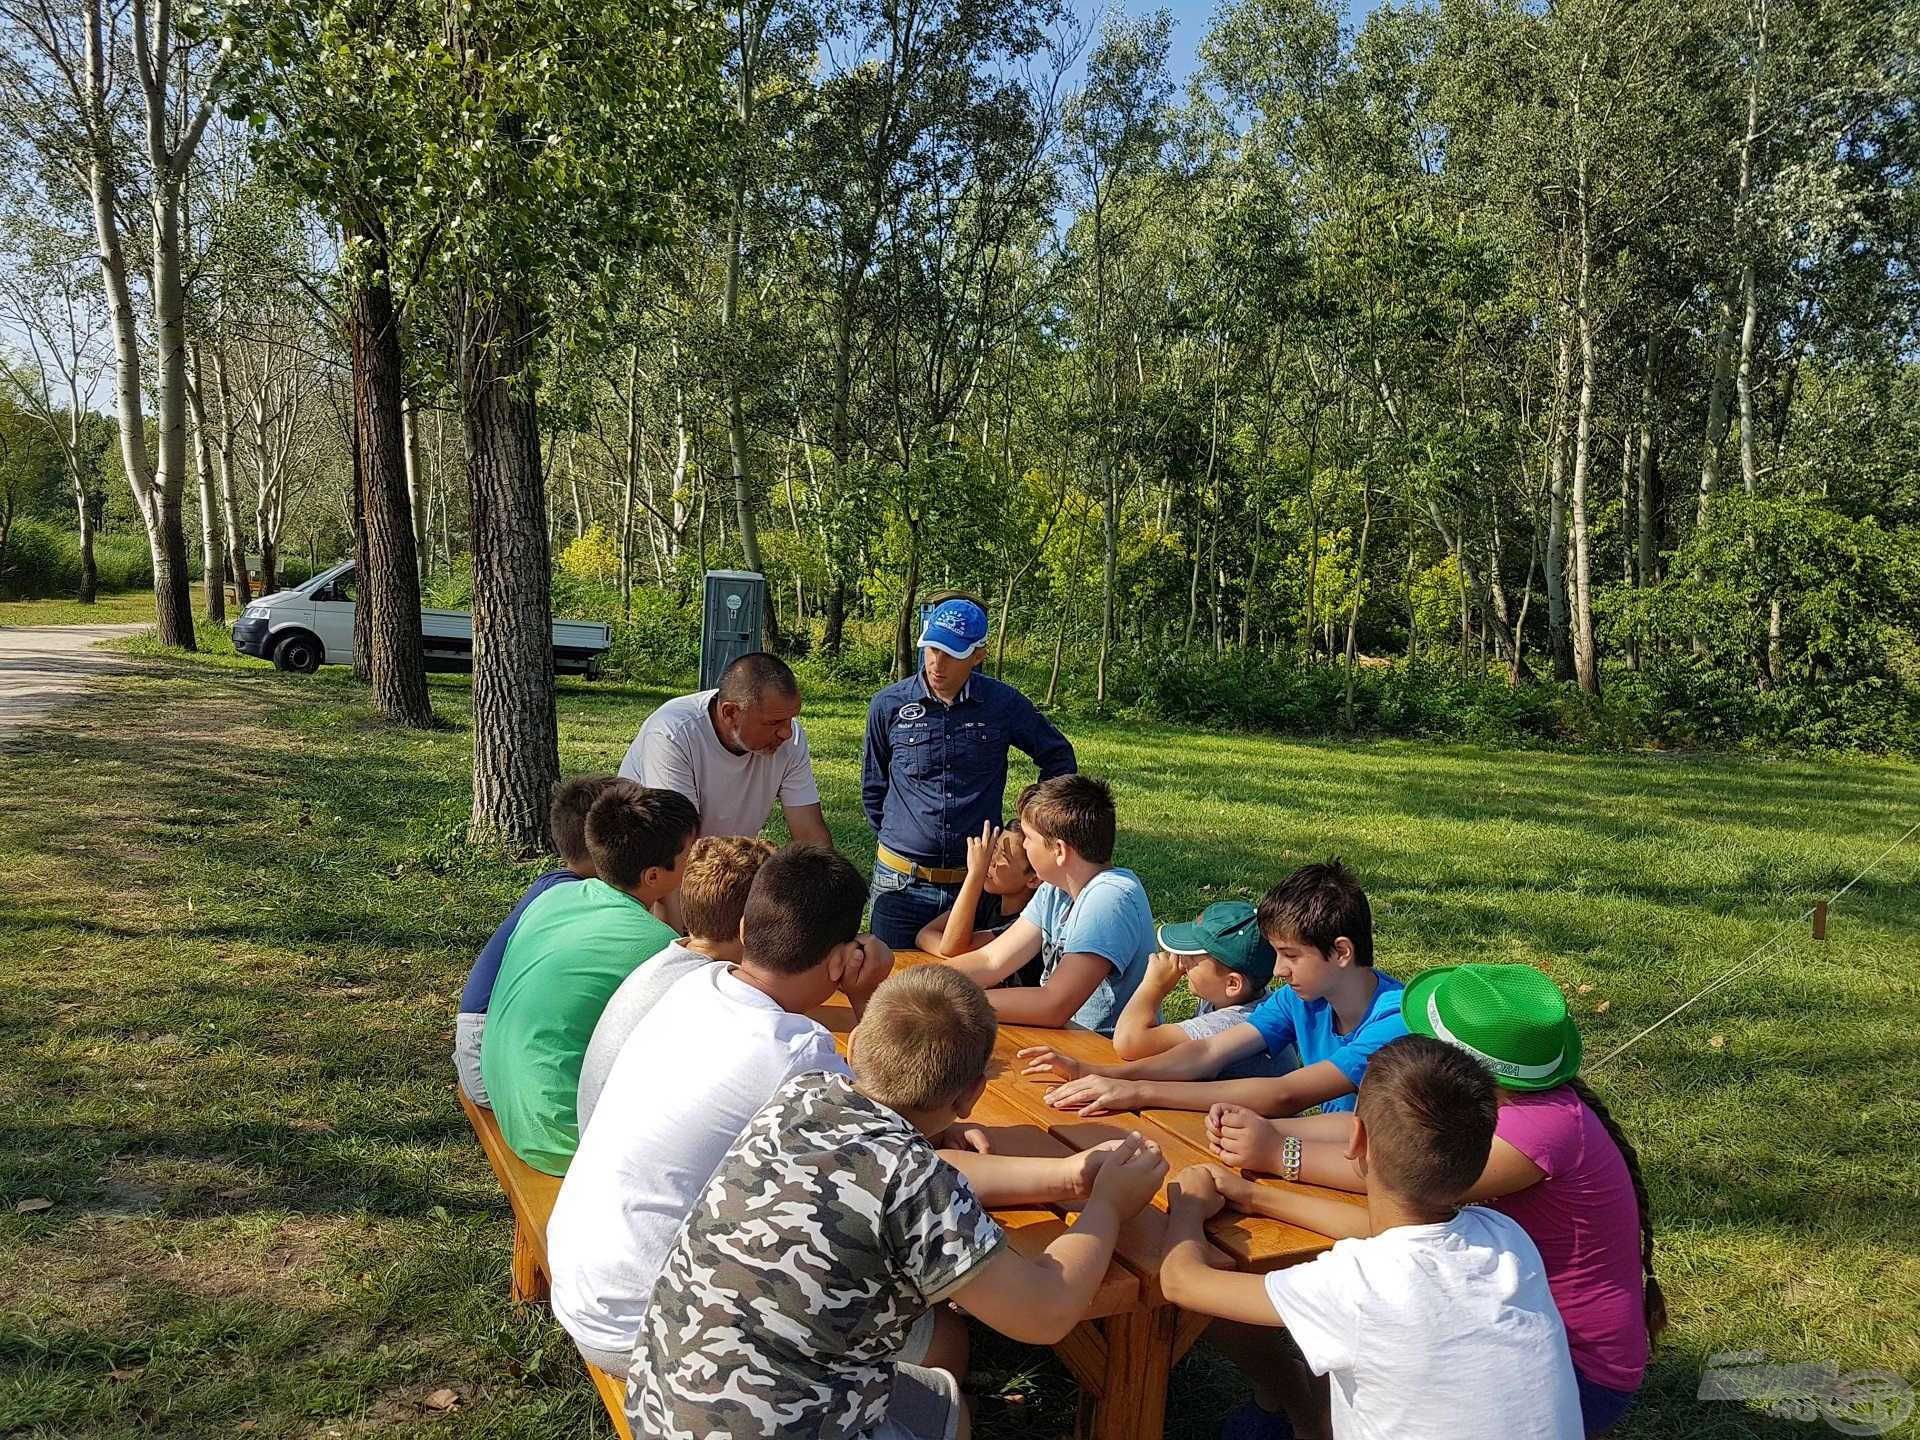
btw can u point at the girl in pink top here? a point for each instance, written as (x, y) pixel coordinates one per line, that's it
(1559, 1166)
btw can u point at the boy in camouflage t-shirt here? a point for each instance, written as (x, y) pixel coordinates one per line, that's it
(833, 1225)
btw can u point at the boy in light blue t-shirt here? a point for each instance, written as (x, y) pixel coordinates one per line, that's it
(1089, 922)
(1333, 1006)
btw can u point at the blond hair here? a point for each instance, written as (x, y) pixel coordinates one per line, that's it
(714, 886)
(925, 1039)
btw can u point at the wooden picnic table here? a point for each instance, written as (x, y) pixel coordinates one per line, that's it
(1123, 1352)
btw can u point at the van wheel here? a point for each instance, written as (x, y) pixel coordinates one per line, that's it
(297, 653)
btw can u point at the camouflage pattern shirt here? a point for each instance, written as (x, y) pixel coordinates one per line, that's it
(829, 1229)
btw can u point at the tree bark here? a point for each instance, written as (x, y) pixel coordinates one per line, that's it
(156, 491)
(229, 489)
(389, 579)
(416, 481)
(1559, 629)
(516, 752)
(212, 548)
(1586, 659)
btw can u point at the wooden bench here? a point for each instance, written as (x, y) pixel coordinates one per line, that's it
(531, 1194)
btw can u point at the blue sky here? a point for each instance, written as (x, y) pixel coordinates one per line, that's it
(1191, 19)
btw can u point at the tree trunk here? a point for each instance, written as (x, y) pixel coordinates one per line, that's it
(1353, 614)
(416, 481)
(1586, 659)
(212, 548)
(389, 582)
(1645, 538)
(516, 752)
(156, 493)
(83, 511)
(229, 488)
(1559, 629)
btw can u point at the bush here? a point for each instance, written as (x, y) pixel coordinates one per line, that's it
(1676, 701)
(43, 561)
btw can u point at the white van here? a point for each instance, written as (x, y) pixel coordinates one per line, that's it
(312, 625)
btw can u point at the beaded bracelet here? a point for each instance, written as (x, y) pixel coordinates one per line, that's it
(1290, 1158)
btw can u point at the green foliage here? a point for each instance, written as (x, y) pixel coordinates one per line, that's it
(43, 560)
(591, 558)
(1676, 702)
(1849, 590)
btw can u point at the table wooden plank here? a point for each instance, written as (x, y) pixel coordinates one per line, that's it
(1255, 1242)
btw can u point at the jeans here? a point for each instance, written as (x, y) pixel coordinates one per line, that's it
(902, 904)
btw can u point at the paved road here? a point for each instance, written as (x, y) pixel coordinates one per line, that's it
(43, 667)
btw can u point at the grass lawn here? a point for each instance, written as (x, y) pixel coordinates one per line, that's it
(237, 914)
(131, 607)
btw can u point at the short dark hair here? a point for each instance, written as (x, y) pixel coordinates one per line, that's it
(1075, 808)
(631, 828)
(1319, 904)
(567, 815)
(927, 1036)
(805, 900)
(752, 677)
(1429, 1110)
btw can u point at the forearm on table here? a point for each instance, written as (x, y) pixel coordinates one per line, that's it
(1008, 1180)
(1187, 1280)
(1267, 1096)
(1039, 1007)
(1336, 1219)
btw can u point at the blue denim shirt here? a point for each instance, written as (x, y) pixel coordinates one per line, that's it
(932, 774)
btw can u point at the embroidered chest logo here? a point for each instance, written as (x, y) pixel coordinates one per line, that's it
(915, 711)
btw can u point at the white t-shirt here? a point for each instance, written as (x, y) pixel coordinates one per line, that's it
(689, 1078)
(676, 749)
(638, 994)
(1435, 1332)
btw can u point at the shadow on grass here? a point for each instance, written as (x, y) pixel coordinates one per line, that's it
(238, 913)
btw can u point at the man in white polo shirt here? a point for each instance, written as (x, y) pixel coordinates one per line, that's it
(733, 750)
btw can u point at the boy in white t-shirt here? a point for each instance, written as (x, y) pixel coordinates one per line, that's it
(1437, 1326)
(694, 1071)
(714, 884)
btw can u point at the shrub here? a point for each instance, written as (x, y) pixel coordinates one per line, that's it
(1676, 701)
(42, 561)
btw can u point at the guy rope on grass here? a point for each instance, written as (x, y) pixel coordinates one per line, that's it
(1816, 912)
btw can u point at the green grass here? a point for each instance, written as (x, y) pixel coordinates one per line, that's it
(132, 607)
(237, 915)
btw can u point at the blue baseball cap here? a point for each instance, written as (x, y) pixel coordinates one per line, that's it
(957, 627)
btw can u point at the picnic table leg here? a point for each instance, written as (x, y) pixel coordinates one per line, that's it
(1132, 1405)
(529, 1283)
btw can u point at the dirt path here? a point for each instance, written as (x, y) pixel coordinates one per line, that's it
(43, 667)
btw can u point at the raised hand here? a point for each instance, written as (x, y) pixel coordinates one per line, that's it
(981, 848)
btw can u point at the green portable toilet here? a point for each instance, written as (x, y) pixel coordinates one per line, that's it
(733, 621)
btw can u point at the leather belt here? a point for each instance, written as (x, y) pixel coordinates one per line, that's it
(904, 866)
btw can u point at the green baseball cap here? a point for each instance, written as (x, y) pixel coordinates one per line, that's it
(1511, 1018)
(1227, 931)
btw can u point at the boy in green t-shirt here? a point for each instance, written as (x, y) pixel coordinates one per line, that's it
(572, 948)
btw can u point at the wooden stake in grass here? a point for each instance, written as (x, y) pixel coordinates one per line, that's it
(1820, 921)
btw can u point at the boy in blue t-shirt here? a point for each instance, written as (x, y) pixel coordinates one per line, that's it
(567, 823)
(1332, 1005)
(1089, 922)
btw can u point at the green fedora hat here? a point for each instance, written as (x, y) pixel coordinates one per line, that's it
(1228, 931)
(1511, 1018)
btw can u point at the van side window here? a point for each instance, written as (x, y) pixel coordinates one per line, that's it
(338, 590)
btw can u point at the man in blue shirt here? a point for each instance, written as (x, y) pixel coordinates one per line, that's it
(935, 768)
